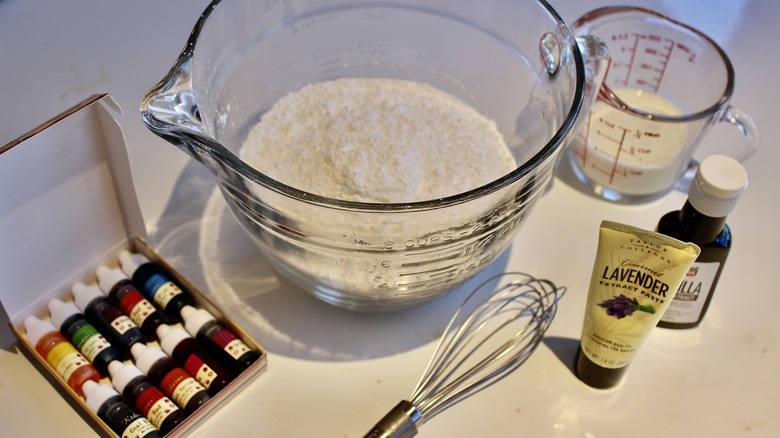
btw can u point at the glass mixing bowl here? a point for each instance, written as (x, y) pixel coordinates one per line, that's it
(514, 61)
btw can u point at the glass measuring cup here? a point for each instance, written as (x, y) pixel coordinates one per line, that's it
(666, 85)
(515, 62)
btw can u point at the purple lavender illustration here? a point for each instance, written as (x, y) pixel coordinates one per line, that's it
(622, 306)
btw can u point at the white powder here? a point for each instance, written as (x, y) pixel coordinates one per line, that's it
(377, 140)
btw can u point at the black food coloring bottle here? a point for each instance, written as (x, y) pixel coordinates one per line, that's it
(154, 283)
(123, 294)
(125, 421)
(83, 335)
(107, 318)
(186, 351)
(219, 342)
(714, 192)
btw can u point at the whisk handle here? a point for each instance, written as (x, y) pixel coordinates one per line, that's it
(400, 422)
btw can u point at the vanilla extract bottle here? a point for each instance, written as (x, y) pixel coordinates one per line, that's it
(714, 193)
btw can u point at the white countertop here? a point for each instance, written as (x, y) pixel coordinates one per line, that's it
(335, 373)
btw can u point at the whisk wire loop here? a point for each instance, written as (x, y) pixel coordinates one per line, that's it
(471, 355)
(523, 299)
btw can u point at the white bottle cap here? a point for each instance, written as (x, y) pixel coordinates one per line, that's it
(131, 261)
(718, 183)
(145, 356)
(194, 319)
(122, 374)
(60, 311)
(83, 295)
(170, 337)
(97, 394)
(108, 278)
(36, 328)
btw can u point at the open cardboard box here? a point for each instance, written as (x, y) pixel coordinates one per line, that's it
(68, 205)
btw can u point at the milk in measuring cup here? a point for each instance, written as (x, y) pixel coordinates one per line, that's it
(627, 153)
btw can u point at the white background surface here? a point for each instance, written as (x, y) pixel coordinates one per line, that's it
(334, 373)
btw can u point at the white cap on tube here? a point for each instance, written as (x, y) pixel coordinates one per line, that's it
(108, 278)
(61, 311)
(717, 186)
(83, 295)
(131, 261)
(122, 374)
(36, 328)
(170, 337)
(195, 319)
(97, 394)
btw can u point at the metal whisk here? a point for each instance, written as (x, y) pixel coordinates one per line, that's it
(486, 339)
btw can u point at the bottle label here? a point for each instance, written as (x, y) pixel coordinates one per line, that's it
(180, 386)
(156, 406)
(137, 307)
(689, 300)
(202, 372)
(65, 359)
(230, 343)
(122, 324)
(162, 289)
(89, 341)
(139, 428)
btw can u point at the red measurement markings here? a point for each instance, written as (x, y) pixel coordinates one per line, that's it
(619, 141)
(648, 58)
(664, 54)
(631, 49)
(582, 152)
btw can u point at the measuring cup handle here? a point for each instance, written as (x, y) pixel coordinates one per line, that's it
(748, 128)
(595, 55)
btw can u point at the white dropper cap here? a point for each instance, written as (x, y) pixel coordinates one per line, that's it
(718, 183)
(170, 337)
(146, 356)
(97, 394)
(131, 261)
(36, 328)
(108, 278)
(60, 311)
(83, 295)
(122, 374)
(195, 319)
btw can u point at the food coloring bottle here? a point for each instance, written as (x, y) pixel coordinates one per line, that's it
(133, 385)
(219, 342)
(714, 193)
(167, 375)
(107, 318)
(118, 415)
(84, 336)
(185, 350)
(74, 368)
(154, 283)
(123, 294)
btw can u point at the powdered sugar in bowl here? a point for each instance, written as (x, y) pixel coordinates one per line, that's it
(516, 63)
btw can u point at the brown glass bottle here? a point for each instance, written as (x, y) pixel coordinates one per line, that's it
(718, 183)
(713, 236)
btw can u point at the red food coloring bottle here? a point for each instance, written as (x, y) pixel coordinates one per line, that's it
(185, 350)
